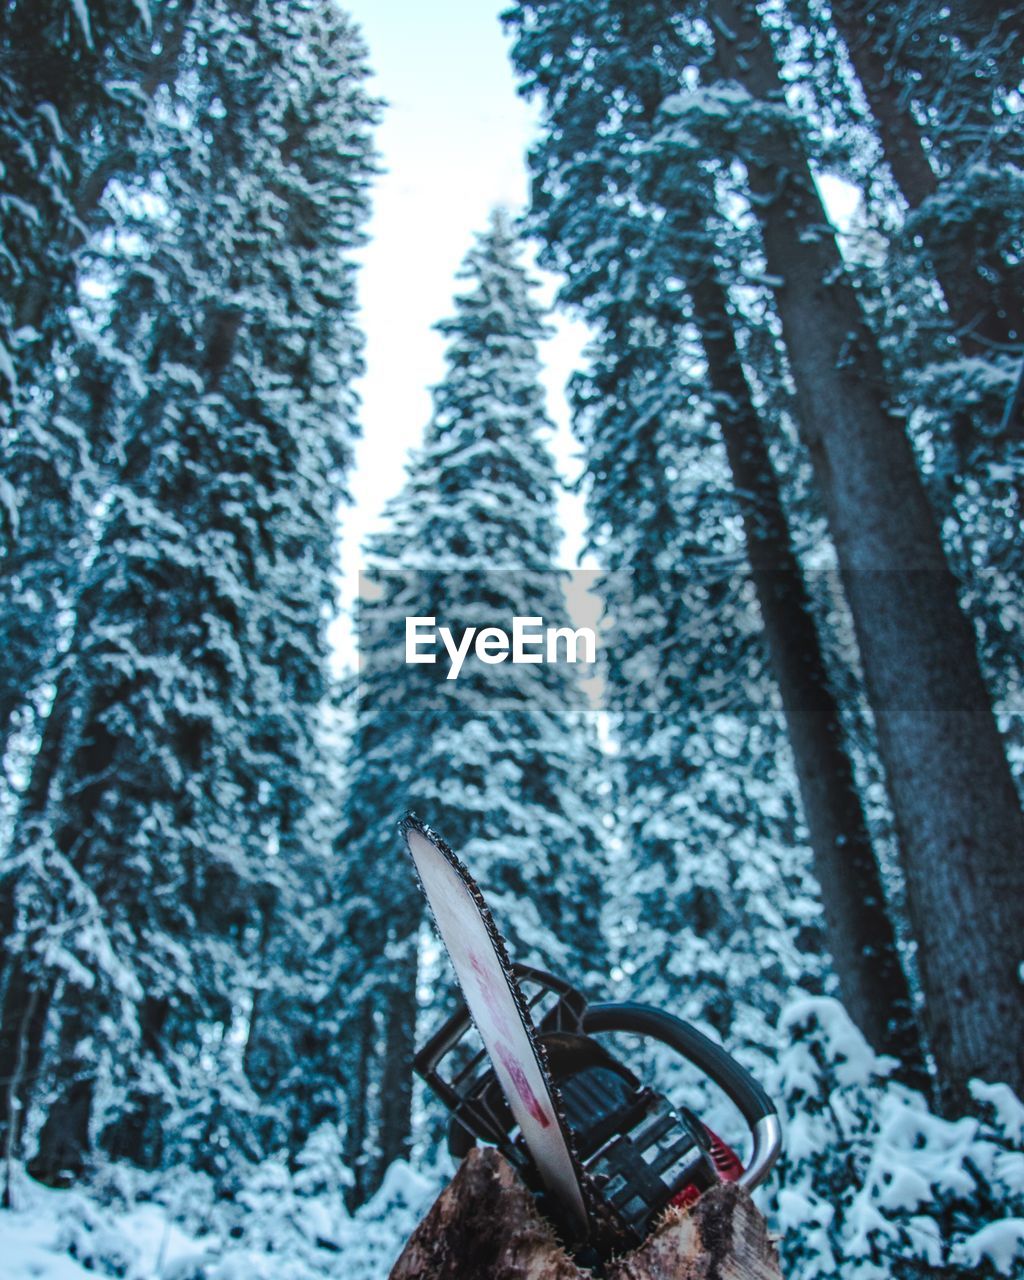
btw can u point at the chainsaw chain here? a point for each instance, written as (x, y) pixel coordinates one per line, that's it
(604, 1230)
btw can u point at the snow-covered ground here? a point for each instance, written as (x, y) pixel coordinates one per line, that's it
(271, 1232)
(62, 1235)
(873, 1185)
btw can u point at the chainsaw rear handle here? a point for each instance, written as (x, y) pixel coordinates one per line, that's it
(723, 1070)
(574, 1013)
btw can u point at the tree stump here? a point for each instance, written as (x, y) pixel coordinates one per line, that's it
(485, 1226)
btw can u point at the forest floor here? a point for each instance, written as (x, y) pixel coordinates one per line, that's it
(165, 1231)
(873, 1185)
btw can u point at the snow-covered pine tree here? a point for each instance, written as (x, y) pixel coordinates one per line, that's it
(940, 85)
(648, 258)
(173, 808)
(76, 83)
(323, 123)
(714, 909)
(76, 95)
(950, 801)
(929, 92)
(956, 808)
(502, 759)
(75, 108)
(872, 1185)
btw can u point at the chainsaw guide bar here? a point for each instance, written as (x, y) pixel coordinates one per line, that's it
(496, 1005)
(605, 1153)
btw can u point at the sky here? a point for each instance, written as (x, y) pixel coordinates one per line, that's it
(452, 141)
(452, 146)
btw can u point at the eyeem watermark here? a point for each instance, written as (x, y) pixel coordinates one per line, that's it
(529, 641)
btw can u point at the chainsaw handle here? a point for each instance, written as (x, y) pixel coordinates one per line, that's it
(737, 1084)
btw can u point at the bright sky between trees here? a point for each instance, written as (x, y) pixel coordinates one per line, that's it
(452, 145)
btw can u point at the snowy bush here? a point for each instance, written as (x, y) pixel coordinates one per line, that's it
(280, 1220)
(873, 1184)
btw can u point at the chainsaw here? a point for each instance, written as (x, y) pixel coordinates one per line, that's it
(604, 1153)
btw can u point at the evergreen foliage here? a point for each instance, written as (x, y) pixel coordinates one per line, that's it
(214, 961)
(729, 118)
(686, 363)
(873, 1184)
(943, 210)
(173, 807)
(76, 89)
(502, 758)
(716, 912)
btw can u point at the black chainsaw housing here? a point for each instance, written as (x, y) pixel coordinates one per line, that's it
(639, 1153)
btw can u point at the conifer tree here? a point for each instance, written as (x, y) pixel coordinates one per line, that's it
(714, 908)
(920, 662)
(175, 803)
(501, 759)
(941, 86)
(938, 89)
(650, 260)
(956, 807)
(76, 87)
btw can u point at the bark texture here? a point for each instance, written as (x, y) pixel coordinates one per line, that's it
(956, 807)
(485, 1226)
(62, 1155)
(860, 938)
(986, 315)
(394, 1136)
(357, 1106)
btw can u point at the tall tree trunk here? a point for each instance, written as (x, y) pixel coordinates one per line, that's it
(252, 1066)
(31, 808)
(956, 808)
(393, 1140)
(11, 1133)
(64, 1140)
(61, 1155)
(23, 987)
(860, 934)
(135, 1133)
(357, 1091)
(25, 1011)
(984, 317)
(8, 919)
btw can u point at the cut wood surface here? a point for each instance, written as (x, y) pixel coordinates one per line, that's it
(485, 1226)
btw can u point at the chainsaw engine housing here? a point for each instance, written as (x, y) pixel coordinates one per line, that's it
(639, 1153)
